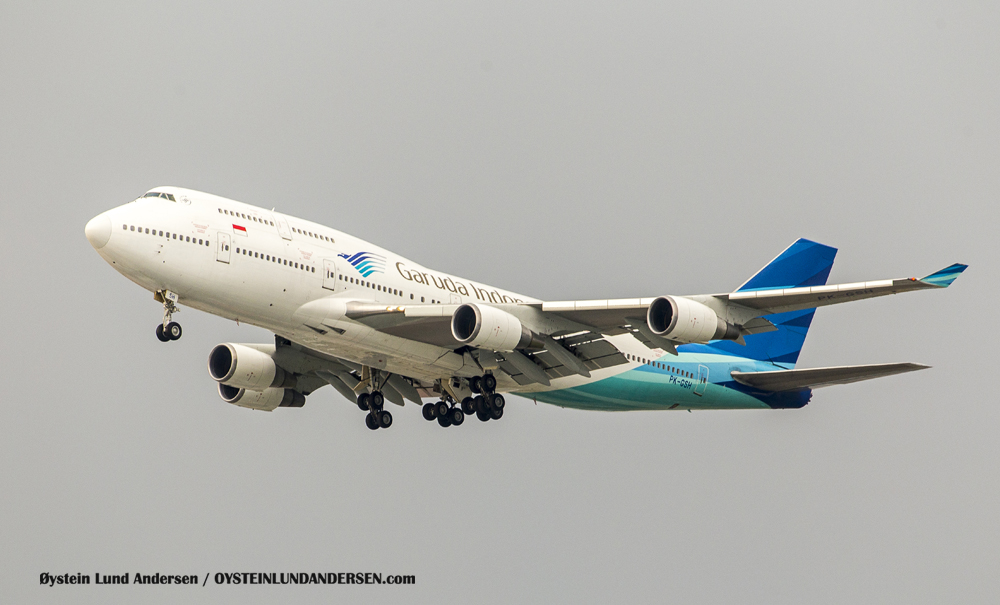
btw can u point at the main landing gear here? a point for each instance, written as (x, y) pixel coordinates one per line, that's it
(486, 405)
(168, 330)
(445, 412)
(377, 417)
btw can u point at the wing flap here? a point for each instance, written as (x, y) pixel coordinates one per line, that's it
(814, 378)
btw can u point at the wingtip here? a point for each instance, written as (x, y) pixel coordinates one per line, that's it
(946, 276)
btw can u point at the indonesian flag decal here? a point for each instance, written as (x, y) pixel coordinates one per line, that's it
(239, 230)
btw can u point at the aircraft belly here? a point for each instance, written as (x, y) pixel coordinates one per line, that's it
(647, 388)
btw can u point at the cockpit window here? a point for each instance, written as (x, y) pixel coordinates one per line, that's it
(166, 196)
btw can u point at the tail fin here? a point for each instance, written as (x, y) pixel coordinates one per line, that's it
(804, 263)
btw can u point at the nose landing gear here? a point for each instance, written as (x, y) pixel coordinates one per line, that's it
(168, 330)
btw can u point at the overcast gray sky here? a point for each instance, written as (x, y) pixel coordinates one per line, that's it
(562, 150)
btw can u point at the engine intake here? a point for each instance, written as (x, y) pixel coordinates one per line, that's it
(684, 320)
(241, 366)
(490, 328)
(265, 400)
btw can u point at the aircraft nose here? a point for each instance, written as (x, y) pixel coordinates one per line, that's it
(98, 230)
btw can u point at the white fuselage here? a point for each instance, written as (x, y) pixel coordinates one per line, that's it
(263, 268)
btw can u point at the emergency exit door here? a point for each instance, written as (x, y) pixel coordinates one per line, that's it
(222, 252)
(329, 274)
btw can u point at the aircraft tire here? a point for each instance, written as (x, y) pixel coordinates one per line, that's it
(370, 421)
(173, 331)
(496, 413)
(467, 406)
(160, 335)
(442, 409)
(378, 400)
(475, 385)
(457, 417)
(479, 404)
(363, 402)
(481, 415)
(384, 419)
(444, 420)
(429, 411)
(489, 383)
(497, 401)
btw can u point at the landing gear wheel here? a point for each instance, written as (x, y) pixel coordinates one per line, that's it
(442, 409)
(484, 416)
(430, 411)
(496, 413)
(489, 383)
(479, 404)
(370, 422)
(378, 400)
(172, 330)
(444, 420)
(384, 419)
(497, 402)
(160, 335)
(363, 401)
(457, 416)
(467, 406)
(476, 385)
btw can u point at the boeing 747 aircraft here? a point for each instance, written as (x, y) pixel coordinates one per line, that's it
(379, 327)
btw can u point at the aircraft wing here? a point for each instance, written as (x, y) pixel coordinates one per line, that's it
(795, 299)
(814, 378)
(742, 307)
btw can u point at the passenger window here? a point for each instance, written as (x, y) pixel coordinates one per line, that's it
(421, 299)
(411, 297)
(125, 227)
(133, 228)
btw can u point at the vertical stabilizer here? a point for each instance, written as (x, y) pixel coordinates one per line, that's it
(804, 263)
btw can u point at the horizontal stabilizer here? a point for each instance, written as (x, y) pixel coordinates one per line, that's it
(813, 378)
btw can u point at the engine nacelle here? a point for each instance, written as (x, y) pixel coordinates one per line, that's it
(265, 400)
(490, 328)
(684, 320)
(243, 367)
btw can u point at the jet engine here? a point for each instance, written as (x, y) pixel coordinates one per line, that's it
(684, 320)
(243, 367)
(490, 328)
(265, 400)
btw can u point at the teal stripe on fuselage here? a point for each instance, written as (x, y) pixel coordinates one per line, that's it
(650, 388)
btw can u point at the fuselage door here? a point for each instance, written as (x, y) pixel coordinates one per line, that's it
(329, 274)
(223, 251)
(702, 384)
(282, 225)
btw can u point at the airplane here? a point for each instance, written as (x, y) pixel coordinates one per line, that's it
(378, 327)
